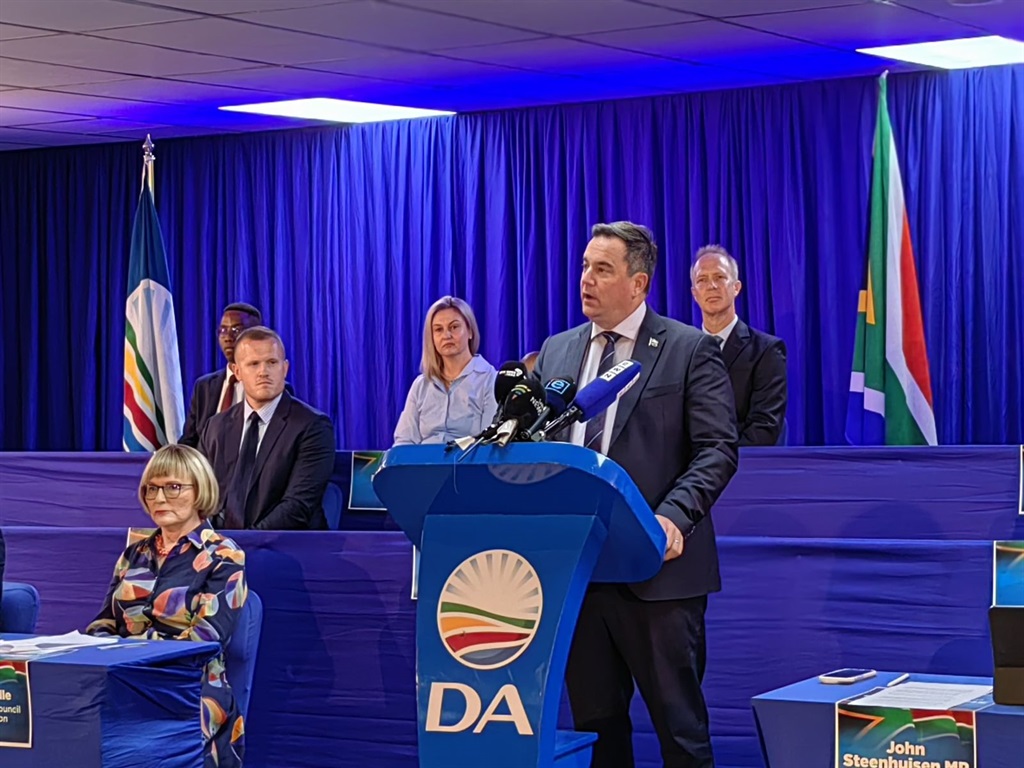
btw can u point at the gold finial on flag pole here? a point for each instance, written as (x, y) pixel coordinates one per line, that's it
(148, 160)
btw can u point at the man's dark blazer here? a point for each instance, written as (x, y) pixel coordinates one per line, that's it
(205, 404)
(674, 433)
(293, 465)
(757, 368)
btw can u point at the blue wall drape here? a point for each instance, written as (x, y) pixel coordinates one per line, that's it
(344, 236)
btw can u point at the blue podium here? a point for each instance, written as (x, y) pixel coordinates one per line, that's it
(509, 539)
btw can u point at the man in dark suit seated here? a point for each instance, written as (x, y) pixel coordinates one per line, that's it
(756, 361)
(273, 454)
(216, 392)
(674, 432)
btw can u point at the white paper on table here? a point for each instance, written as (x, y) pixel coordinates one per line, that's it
(53, 642)
(937, 696)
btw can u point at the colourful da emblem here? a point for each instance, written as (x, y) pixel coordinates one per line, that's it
(489, 609)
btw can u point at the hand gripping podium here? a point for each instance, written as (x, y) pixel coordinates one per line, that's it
(509, 539)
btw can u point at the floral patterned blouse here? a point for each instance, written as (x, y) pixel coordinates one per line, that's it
(195, 594)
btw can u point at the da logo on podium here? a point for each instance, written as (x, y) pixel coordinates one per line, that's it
(487, 616)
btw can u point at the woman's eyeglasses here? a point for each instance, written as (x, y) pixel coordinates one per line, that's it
(171, 490)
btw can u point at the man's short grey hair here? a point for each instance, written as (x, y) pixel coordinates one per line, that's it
(641, 252)
(713, 249)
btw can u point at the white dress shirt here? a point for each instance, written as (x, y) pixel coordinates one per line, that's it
(266, 414)
(236, 396)
(724, 333)
(628, 330)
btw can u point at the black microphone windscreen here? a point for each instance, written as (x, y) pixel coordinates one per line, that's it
(559, 393)
(510, 374)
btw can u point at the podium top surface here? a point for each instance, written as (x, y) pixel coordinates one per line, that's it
(526, 479)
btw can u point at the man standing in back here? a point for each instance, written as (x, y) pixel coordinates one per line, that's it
(674, 432)
(756, 361)
(272, 454)
(216, 392)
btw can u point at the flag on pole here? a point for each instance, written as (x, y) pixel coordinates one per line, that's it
(153, 403)
(890, 387)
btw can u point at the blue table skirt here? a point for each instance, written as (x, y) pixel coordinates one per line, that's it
(797, 723)
(134, 706)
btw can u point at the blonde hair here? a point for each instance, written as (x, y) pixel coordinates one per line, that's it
(431, 365)
(190, 465)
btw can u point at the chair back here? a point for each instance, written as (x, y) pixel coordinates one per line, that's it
(242, 648)
(19, 608)
(333, 502)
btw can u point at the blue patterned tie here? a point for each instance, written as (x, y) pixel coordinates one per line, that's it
(595, 427)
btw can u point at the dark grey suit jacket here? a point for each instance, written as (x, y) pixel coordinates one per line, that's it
(293, 466)
(757, 368)
(674, 433)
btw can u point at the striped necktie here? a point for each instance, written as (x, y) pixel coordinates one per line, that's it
(595, 427)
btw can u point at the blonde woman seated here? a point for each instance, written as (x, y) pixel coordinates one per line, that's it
(184, 582)
(453, 397)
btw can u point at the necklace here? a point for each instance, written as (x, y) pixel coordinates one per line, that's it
(162, 549)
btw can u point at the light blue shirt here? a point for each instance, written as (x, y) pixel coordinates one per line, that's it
(434, 414)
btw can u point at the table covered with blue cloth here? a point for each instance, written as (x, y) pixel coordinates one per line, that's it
(130, 705)
(797, 724)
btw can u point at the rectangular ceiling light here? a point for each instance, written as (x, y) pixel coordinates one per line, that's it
(336, 110)
(955, 54)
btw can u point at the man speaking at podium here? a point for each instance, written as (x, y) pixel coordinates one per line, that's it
(674, 432)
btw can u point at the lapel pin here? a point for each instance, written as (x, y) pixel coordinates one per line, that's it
(652, 342)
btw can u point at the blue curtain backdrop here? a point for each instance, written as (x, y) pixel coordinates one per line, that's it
(345, 236)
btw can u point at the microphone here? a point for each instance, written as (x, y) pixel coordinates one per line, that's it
(594, 398)
(558, 393)
(510, 374)
(524, 405)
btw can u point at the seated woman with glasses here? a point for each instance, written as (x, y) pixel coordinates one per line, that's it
(453, 396)
(184, 582)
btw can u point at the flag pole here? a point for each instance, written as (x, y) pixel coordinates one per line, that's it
(148, 164)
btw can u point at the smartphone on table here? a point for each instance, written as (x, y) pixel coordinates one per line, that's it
(846, 676)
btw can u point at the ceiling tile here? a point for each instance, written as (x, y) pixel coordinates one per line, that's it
(83, 15)
(233, 7)
(170, 91)
(32, 74)
(10, 115)
(286, 80)
(1005, 18)
(100, 125)
(705, 41)
(43, 138)
(852, 27)
(390, 26)
(12, 32)
(115, 56)
(557, 17)
(6, 146)
(56, 101)
(560, 55)
(410, 68)
(225, 37)
(724, 9)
